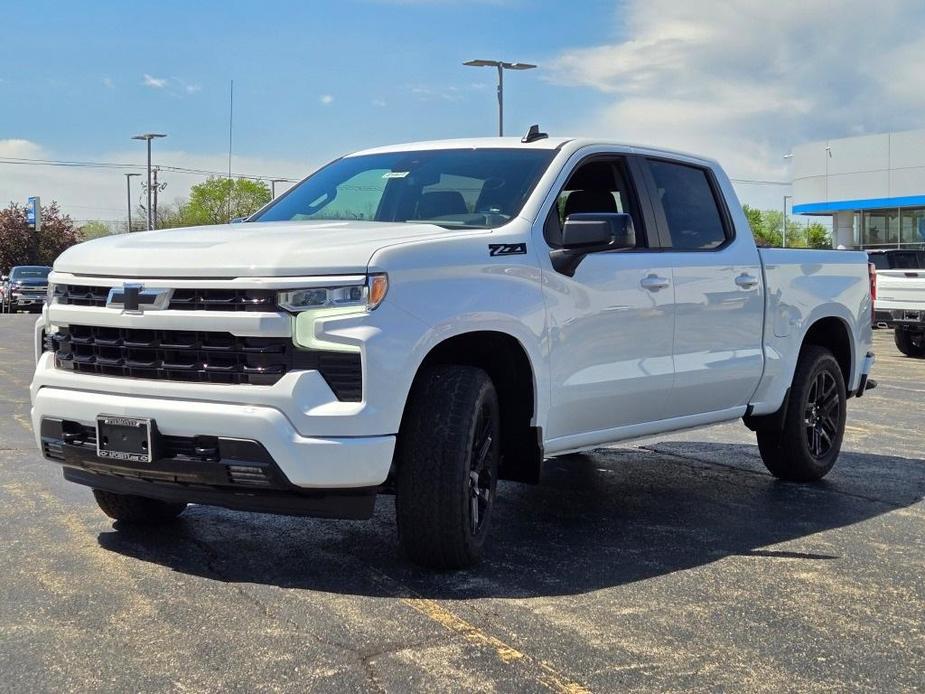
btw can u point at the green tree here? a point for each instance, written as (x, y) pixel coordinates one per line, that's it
(817, 236)
(21, 245)
(766, 233)
(216, 201)
(94, 230)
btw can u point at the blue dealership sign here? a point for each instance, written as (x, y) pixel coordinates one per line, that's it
(34, 212)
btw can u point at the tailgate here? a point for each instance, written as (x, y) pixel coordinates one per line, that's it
(901, 289)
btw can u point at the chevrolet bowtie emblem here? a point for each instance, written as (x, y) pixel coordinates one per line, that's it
(134, 298)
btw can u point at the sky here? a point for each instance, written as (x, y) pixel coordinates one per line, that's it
(739, 80)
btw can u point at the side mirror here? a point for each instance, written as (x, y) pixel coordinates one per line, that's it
(591, 232)
(3, 278)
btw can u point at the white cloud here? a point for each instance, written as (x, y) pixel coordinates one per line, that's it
(448, 93)
(155, 82)
(326, 99)
(379, 102)
(92, 193)
(745, 80)
(108, 83)
(175, 86)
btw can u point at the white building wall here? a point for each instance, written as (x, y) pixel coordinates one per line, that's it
(859, 168)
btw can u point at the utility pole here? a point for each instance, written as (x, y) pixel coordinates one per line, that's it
(148, 137)
(230, 132)
(273, 182)
(157, 187)
(502, 66)
(128, 198)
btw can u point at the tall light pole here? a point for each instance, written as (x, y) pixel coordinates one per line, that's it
(784, 233)
(501, 66)
(128, 197)
(273, 182)
(148, 137)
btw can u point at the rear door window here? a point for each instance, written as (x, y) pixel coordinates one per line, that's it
(695, 222)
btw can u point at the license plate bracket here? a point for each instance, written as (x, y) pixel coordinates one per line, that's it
(126, 439)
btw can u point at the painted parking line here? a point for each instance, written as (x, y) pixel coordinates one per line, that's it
(539, 671)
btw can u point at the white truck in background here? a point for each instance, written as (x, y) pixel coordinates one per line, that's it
(426, 319)
(900, 297)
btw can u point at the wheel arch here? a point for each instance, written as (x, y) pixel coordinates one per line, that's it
(507, 362)
(829, 331)
(834, 334)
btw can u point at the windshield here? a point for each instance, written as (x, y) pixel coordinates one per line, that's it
(453, 188)
(29, 273)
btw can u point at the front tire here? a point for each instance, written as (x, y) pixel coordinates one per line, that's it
(810, 441)
(909, 343)
(448, 467)
(137, 509)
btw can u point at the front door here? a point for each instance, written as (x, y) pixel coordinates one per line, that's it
(611, 325)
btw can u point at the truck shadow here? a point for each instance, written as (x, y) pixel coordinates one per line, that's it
(597, 520)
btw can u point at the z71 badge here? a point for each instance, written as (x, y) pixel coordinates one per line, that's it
(507, 249)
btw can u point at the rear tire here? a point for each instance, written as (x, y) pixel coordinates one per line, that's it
(137, 509)
(909, 343)
(810, 441)
(448, 467)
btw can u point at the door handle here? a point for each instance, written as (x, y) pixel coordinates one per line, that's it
(747, 281)
(653, 282)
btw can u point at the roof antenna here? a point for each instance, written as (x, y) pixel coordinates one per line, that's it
(533, 134)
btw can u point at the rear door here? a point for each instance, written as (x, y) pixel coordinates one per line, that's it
(718, 293)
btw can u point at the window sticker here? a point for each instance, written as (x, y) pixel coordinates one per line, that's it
(395, 174)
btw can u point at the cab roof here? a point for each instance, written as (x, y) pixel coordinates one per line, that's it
(546, 143)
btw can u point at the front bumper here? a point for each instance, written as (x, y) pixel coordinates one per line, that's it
(310, 463)
(27, 299)
(234, 473)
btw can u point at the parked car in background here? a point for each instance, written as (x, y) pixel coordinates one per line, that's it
(426, 319)
(900, 297)
(26, 288)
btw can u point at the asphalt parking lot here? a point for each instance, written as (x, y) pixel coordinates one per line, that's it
(675, 563)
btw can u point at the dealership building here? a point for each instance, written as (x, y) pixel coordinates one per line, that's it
(873, 188)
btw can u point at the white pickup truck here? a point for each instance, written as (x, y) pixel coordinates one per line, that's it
(900, 297)
(426, 319)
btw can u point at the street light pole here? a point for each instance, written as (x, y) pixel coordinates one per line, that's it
(500, 101)
(148, 137)
(784, 232)
(501, 66)
(128, 197)
(783, 235)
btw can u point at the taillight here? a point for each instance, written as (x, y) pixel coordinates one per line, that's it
(872, 274)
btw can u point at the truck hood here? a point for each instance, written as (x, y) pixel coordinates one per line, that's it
(249, 249)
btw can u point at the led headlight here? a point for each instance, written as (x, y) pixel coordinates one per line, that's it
(319, 303)
(355, 296)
